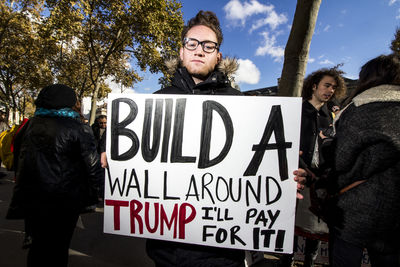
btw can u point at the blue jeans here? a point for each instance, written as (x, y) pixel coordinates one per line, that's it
(345, 254)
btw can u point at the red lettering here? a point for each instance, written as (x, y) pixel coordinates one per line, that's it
(164, 218)
(176, 221)
(146, 217)
(183, 220)
(136, 207)
(117, 204)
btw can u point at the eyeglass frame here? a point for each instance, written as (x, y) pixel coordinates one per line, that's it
(202, 43)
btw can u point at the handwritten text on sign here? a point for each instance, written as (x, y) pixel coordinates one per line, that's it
(209, 170)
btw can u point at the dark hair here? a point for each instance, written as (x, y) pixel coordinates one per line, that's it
(205, 18)
(101, 117)
(384, 69)
(315, 77)
(78, 108)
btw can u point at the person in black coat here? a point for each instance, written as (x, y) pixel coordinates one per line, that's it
(199, 71)
(99, 128)
(57, 175)
(365, 180)
(319, 87)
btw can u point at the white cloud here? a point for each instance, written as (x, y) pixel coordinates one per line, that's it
(391, 2)
(327, 28)
(311, 60)
(247, 72)
(237, 12)
(272, 19)
(326, 62)
(346, 59)
(270, 48)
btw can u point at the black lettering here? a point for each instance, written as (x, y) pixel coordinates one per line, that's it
(165, 188)
(116, 183)
(273, 217)
(278, 195)
(250, 214)
(146, 185)
(239, 187)
(118, 128)
(267, 237)
(167, 129)
(204, 186)
(234, 237)
(256, 195)
(207, 213)
(280, 237)
(176, 150)
(205, 234)
(149, 154)
(256, 238)
(221, 235)
(192, 184)
(206, 130)
(261, 218)
(218, 191)
(274, 124)
(136, 185)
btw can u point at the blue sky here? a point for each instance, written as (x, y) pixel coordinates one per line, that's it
(256, 32)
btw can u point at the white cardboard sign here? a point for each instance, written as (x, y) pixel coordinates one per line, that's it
(209, 170)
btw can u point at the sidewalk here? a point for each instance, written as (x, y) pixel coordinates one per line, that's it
(90, 247)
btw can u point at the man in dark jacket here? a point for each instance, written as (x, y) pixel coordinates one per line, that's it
(57, 174)
(99, 128)
(318, 88)
(199, 72)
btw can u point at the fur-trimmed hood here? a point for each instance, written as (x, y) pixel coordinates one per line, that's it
(381, 93)
(218, 82)
(227, 66)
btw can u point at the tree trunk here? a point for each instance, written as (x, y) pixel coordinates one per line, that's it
(297, 48)
(94, 104)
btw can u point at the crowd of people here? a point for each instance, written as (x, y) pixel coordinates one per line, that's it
(348, 180)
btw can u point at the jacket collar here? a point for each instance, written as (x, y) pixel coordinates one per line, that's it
(381, 93)
(310, 109)
(219, 78)
(215, 80)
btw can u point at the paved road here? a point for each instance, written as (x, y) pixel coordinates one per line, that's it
(89, 247)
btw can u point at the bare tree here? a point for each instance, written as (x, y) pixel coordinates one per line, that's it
(297, 47)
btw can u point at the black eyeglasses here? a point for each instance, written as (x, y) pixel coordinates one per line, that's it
(191, 44)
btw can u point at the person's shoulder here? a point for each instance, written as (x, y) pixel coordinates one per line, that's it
(233, 91)
(228, 91)
(170, 90)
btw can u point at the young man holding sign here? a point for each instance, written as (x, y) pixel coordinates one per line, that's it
(200, 72)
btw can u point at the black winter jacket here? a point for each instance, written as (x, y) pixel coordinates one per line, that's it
(166, 253)
(56, 162)
(368, 148)
(312, 122)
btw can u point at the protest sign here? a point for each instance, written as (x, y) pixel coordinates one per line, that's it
(208, 170)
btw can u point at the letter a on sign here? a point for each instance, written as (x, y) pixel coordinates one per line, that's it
(274, 124)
